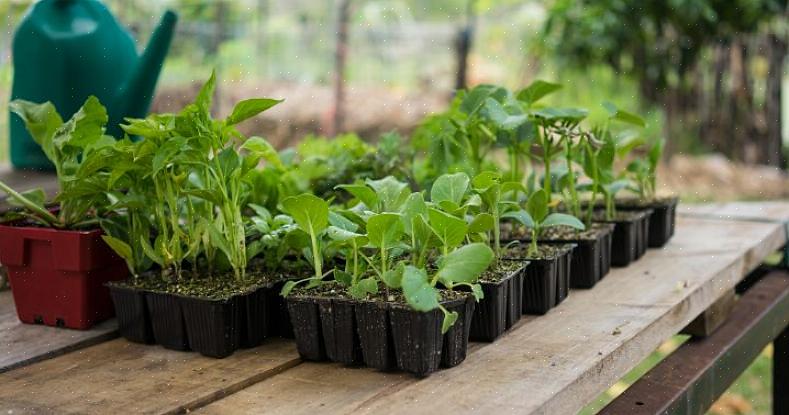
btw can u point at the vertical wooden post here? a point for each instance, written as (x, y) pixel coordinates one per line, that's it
(340, 58)
(463, 43)
(781, 373)
(776, 54)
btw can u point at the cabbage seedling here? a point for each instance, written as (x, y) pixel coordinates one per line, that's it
(536, 218)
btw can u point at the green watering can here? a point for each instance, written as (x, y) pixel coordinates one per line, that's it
(67, 50)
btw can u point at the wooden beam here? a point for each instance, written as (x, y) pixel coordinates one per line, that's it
(24, 344)
(713, 317)
(119, 376)
(692, 378)
(553, 364)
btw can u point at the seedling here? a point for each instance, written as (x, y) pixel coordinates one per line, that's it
(76, 149)
(643, 172)
(536, 218)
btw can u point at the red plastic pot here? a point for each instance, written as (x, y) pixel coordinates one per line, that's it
(57, 277)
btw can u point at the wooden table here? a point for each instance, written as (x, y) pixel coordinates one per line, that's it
(553, 364)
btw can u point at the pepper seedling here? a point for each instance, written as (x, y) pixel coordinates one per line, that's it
(536, 217)
(643, 171)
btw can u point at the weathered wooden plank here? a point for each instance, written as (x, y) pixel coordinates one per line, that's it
(24, 344)
(553, 364)
(123, 377)
(712, 318)
(777, 211)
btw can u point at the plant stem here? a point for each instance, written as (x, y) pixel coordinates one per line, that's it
(30, 205)
(533, 245)
(316, 260)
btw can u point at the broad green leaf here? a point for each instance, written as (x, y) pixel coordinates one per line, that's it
(384, 229)
(627, 143)
(557, 219)
(615, 187)
(485, 180)
(362, 192)
(536, 91)
(41, 120)
(342, 277)
(482, 222)
(310, 212)
(501, 118)
(465, 264)
(249, 108)
(572, 115)
(364, 287)
(164, 154)
(450, 317)
(414, 206)
(521, 216)
(537, 206)
(623, 116)
(475, 98)
(606, 154)
(449, 229)
(340, 221)
(450, 187)
(655, 153)
(218, 239)
(476, 289)
(418, 292)
(391, 192)
(340, 234)
(210, 195)
(393, 278)
(287, 288)
(260, 148)
(206, 94)
(149, 251)
(120, 247)
(84, 128)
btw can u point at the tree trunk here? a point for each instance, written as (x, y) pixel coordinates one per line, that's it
(776, 53)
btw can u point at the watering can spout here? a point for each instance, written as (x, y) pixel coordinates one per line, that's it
(137, 92)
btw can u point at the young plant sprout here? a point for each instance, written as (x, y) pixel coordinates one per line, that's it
(536, 217)
(643, 171)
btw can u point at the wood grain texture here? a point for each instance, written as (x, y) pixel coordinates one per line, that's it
(123, 377)
(554, 364)
(24, 344)
(777, 211)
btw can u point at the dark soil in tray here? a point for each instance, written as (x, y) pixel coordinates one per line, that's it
(592, 255)
(212, 316)
(381, 331)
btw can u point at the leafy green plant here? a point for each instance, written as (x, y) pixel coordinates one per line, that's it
(536, 217)
(643, 171)
(461, 267)
(76, 148)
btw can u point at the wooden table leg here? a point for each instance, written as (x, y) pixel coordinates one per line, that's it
(781, 373)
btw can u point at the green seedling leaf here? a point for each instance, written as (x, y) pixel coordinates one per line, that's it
(482, 222)
(362, 192)
(414, 206)
(364, 287)
(149, 251)
(501, 118)
(391, 193)
(340, 221)
(393, 278)
(449, 320)
(259, 148)
(384, 229)
(41, 120)
(450, 187)
(621, 115)
(536, 91)
(84, 128)
(655, 153)
(36, 196)
(465, 264)
(249, 108)
(486, 180)
(572, 115)
(450, 230)
(310, 212)
(343, 277)
(537, 206)
(558, 219)
(522, 216)
(476, 289)
(120, 247)
(627, 143)
(340, 234)
(287, 288)
(418, 292)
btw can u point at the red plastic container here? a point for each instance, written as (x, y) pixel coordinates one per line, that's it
(57, 277)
